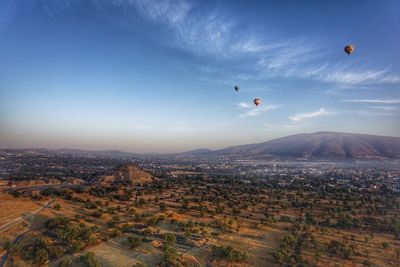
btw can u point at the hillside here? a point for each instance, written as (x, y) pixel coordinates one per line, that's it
(320, 145)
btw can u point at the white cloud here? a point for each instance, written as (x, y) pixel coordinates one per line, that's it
(302, 116)
(252, 110)
(374, 101)
(167, 11)
(346, 76)
(215, 33)
(244, 105)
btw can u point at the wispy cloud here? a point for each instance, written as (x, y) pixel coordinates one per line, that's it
(373, 113)
(351, 77)
(218, 34)
(384, 108)
(302, 116)
(251, 110)
(244, 105)
(264, 55)
(167, 11)
(374, 101)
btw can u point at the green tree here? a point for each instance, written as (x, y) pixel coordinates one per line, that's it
(42, 256)
(135, 241)
(170, 239)
(66, 262)
(170, 256)
(89, 260)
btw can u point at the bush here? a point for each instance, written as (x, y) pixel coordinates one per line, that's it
(170, 239)
(56, 251)
(76, 246)
(228, 253)
(163, 207)
(90, 205)
(16, 193)
(65, 263)
(57, 221)
(135, 241)
(42, 256)
(170, 255)
(115, 233)
(285, 218)
(57, 206)
(385, 245)
(89, 260)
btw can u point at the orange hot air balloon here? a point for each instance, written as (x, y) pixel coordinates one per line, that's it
(237, 88)
(257, 101)
(349, 49)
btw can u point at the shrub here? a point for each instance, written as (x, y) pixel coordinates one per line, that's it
(89, 260)
(56, 251)
(170, 239)
(57, 221)
(228, 253)
(66, 262)
(42, 256)
(366, 263)
(76, 246)
(135, 241)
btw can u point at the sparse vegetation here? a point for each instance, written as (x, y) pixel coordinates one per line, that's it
(302, 225)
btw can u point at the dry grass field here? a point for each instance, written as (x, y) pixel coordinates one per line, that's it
(212, 223)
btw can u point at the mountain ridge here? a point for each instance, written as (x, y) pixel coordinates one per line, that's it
(326, 145)
(317, 145)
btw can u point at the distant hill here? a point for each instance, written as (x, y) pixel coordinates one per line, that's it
(320, 145)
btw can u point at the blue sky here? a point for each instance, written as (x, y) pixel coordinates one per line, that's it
(159, 76)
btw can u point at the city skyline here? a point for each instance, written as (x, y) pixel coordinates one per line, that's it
(159, 76)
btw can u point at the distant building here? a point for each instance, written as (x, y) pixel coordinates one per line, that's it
(4, 183)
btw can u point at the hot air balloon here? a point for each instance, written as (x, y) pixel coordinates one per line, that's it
(237, 88)
(349, 49)
(257, 101)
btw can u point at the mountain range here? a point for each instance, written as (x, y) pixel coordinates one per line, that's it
(318, 146)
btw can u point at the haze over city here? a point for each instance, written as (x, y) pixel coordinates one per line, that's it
(159, 76)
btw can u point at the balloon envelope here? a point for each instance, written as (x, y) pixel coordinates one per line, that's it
(257, 101)
(349, 49)
(237, 88)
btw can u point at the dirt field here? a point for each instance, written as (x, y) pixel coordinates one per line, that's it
(12, 208)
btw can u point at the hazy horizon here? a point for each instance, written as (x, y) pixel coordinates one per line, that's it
(159, 76)
(166, 152)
